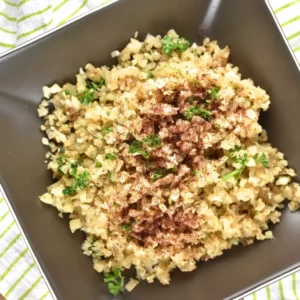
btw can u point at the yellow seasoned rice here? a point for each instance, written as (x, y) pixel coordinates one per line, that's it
(150, 184)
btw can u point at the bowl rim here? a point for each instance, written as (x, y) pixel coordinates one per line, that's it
(107, 3)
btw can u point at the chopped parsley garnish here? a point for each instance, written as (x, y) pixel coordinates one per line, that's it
(106, 130)
(67, 92)
(214, 94)
(262, 159)
(150, 75)
(86, 97)
(81, 182)
(126, 227)
(60, 162)
(245, 100)
(195, 172)
(197, 111)
(115, 281)
(61, 150)
(96, 85)
(98, 164)
(158, 174)
(242, 160)
(68, 190)
(152, 141)
(169, 45)
(137, 147)
(173, 169)
(110, 156)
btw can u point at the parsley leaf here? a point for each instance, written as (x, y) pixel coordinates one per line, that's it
(262, 159)
(96, 85)
(152, 141)
(67, 92)
(82, 181)
(115, 281)
(157, 174)
(106, 130)
(86, 97)
(197, 111)
(137, 147)
(68, 190)
(60, 161)
(169, 45)
(214, 93)
(110, 156)
(98, 164)
(242, 160)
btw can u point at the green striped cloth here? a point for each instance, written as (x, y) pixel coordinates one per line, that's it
(22, 20)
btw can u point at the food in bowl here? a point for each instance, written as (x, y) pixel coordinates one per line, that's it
(161, 160)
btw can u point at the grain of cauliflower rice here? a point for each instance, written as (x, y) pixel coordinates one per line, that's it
(161, 160)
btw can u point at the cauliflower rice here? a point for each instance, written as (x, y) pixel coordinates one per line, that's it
(161, 160)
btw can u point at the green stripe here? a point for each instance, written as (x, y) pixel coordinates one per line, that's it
(292, 36)
(30, 289)
(290, 21)
(1, 200)
(268, 293)
(45, 295)
(60, 5)
(281, 290)
(7, 45)
(34, 14)
(18, 280)
(285, 6)
(7, 31)
(34, 30)
(9, 245)
(9, 268)
(296, 49)
(9, 3)
(22, 2)
(7, 17)
(254, 296)
(7, 229)
(294, 286)
(6, 213)
(73, 13)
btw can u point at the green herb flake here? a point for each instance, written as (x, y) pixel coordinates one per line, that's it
(60, 162)
(169, 45)
(106, 130)
(115, 281)
(170, 201)
(61, 150)
(136, 147)
(68, 191)
(98, 164)
(110, 156)
(150, 75)
(86, 97)
(126, 227)
(195, 172)
(197, 111)
(173, 169)
(242, 160)
(262, 159)
(95, 85)
(245, 100)
(214, 94)
(158, 174)
(67, 92)
(152, 141)
(82, 181)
